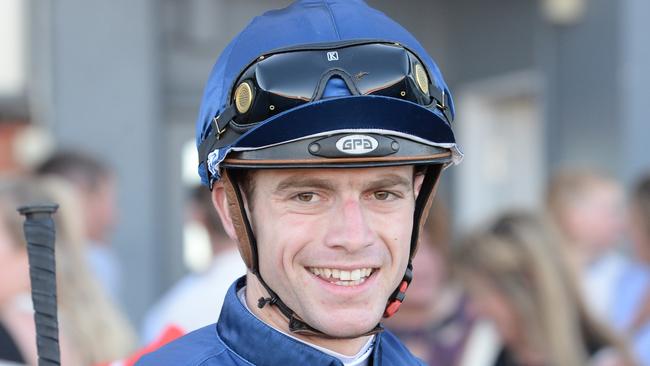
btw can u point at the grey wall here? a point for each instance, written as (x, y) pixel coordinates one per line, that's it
(581, 66)
(633, 94)
(100, 87)
(488, 38)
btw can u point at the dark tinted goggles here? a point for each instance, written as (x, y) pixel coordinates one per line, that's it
(284, 80)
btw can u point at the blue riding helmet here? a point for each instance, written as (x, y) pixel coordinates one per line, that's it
(288, 61)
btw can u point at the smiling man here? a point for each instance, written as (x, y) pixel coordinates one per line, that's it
(323, 131)
(332, 251)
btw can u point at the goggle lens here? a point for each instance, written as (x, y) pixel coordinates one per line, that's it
(285, 80)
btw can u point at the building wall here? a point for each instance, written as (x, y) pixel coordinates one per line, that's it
(581, 65)
(633, 77)
(96, 86)
(489, 38)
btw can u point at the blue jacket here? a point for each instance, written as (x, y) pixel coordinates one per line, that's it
(239, 338)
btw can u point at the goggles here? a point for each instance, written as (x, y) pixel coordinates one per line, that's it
(288, 78)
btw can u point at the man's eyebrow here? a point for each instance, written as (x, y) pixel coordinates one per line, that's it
(389, 180)
(297, 181)
(384, 181)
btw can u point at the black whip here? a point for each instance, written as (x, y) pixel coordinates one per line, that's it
(40, 235)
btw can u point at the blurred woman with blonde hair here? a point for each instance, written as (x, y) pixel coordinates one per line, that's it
(516, 275)
(588, 209)
(434, 322)
(91, 329)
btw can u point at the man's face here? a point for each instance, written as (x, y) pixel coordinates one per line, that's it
(100, 209)
(334, 243)
(596, 219)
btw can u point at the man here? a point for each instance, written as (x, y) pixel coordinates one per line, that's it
(589, 210)
(95, 184)
(322, 133)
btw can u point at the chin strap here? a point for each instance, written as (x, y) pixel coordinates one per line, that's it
(399, 294)
(420, 214)
(297, 325)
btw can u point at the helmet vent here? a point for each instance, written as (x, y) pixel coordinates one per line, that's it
(243, 97)
(422, 79)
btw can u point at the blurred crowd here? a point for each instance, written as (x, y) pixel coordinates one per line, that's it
(567, 284)
(92, 327)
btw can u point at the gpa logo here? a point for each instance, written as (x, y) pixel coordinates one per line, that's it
(356, 144)
(332, 56)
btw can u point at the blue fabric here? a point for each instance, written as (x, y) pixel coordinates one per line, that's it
(628, 297)
(303, 22)
(336, 87)
(239, 338)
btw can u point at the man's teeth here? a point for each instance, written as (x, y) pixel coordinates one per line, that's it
(344, 277)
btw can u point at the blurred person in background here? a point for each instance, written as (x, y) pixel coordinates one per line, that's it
(631, 311)
(518, 278)
(434, 323)
(186, 305)
(91, 329)
(95, 185)
(589, 210)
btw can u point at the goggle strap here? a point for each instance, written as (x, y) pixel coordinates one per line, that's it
(442, 102)
(223, 119)
(219, 126)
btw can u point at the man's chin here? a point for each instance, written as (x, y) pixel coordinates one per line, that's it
(351, 333)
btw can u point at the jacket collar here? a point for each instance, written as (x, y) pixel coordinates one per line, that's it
(262, 345)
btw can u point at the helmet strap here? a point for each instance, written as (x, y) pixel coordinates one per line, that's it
(420, 214)
(396, 299)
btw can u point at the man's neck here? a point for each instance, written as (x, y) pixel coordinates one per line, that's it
(273, 317)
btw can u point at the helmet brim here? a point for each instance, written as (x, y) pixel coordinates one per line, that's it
(276, 142)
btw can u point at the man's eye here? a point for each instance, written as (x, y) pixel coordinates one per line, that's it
(382, 195)
(305, 197)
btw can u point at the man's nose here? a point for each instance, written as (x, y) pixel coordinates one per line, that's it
(348, 227)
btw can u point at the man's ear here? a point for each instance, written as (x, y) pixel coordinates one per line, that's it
(418, 179)
(220, 202)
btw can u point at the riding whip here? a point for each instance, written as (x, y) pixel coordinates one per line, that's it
(40, 236)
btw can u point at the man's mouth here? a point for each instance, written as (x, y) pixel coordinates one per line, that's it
(342, 277)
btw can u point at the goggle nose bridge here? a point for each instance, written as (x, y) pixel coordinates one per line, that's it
(327, 76)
